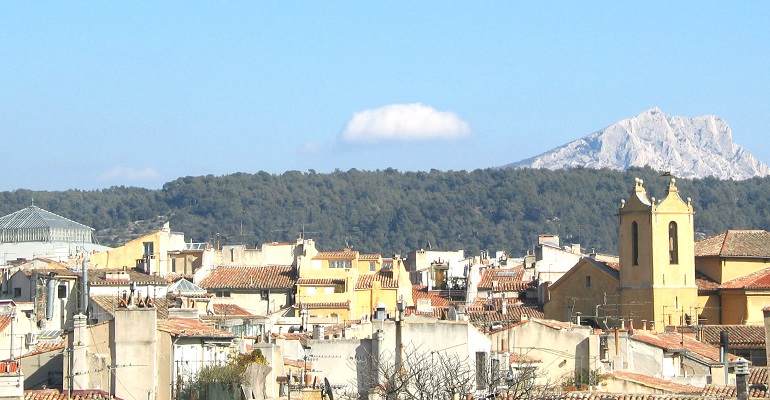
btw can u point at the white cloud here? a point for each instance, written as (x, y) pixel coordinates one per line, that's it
(131, 174)
(404, 122)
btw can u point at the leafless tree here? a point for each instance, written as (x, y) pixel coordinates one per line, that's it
(422, 375)
(438, 375)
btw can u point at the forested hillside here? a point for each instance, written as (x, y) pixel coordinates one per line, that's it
(394, 212)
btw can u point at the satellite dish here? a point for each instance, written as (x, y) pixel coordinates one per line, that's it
(328, 388)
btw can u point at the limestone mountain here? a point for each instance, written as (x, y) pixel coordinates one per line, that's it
(686, 147)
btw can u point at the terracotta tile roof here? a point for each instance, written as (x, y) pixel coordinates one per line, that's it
(331, 304)
(484, 313)
(98, 277)
(44, 347)
(300, 364)
(320, 281)
(268, 277)
(516, 358)
(756, 280)
(173, 277)
(578, 395)
(336, 255)
(740, 336)
(611, 268)
(55, 394)
(509, 279)
(60, 270)
(385, 277)
(435, 296)
(438, 300)
(657, 383)
(705, 284)
(611, 264)
(735, 243)
(725, 392)
(231, 310)
(189, 295)
(672, 341)
(110, 303)
(5, 321)
(551, 323)
(188, 327)
(369, 257)
(758, 375)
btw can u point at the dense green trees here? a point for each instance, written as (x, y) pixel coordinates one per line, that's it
(394, 212)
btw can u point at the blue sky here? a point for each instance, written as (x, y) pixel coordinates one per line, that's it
(99, 94)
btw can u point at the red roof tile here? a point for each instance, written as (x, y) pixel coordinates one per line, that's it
(111, 303)
(385, 277)
(740, 336)
(331, 304)
(516, 358)
(320, 281)
(672, 341)
(656, 383)
(173, 277)
(509, 279)
(233, 310)
(55, 394)
(98, 277)
(268, 277)
(435, 296)
(336, 255)
(44, 347)
(758, 375)
(188, 327)
(439, 302)
(704, 283)
(726, 392)
(756, 281)
(5, 321)
(735, 243)
(369, 257)
(486, 312)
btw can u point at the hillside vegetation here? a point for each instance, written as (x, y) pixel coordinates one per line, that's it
(395, 212)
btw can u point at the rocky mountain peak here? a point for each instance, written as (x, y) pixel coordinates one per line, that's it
(687, 147)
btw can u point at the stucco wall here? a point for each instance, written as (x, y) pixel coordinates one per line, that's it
(737, 267)
(734, 307)
(344, 362)
(710, 309)
(163, 349)
(560, 351)
(135, 344)
(574, 292)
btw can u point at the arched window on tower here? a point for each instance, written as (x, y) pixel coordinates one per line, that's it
(635, 243)
(673, 244)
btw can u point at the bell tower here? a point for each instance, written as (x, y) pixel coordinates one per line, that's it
(657, 258)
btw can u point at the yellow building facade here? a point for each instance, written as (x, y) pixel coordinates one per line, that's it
(656, 257)
(160, 253)
(347, 285)
(736, 268)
